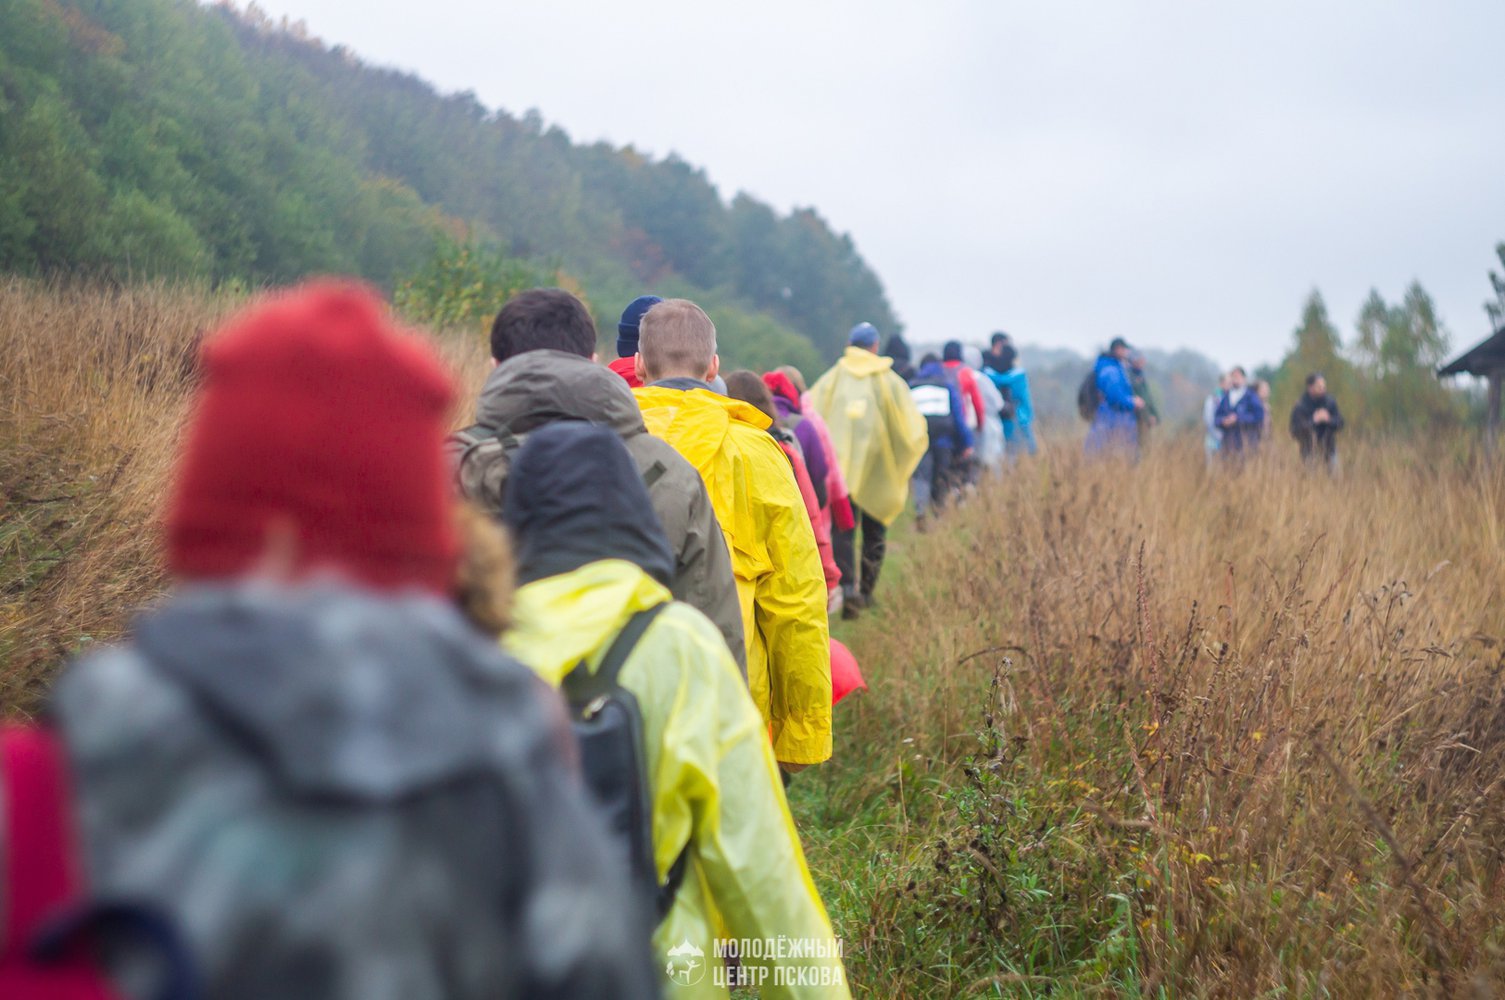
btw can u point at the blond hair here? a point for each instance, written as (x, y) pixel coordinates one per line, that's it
(676, 339)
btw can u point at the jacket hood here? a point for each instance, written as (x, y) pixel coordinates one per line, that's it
(541, 387)
(700, 419)
(856, 361)
(574, 496)
(935, 369)
(346, 693)
(564, 619)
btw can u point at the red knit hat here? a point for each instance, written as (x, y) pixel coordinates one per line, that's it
(318, 412)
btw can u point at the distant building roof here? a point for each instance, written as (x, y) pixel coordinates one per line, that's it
(1481, 359)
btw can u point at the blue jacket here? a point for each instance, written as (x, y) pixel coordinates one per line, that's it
(1116, 426)
(1017, 384)
(936, 371)
(1245, 434)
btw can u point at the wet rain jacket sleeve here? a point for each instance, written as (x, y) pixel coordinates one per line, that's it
(716, 786)
(789, 612)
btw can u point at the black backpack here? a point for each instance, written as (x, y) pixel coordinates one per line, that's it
(1088, 398)
(608, 727)
(932, 397)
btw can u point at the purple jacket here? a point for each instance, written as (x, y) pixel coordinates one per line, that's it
(809, 439)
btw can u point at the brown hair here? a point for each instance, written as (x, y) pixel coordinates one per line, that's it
(676, 338)
(749, 388)
(484, 581)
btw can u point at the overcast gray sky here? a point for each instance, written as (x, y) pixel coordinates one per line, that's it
(1178, 173)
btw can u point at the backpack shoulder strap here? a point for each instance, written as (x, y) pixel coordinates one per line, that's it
(41, 861)
(582, 685)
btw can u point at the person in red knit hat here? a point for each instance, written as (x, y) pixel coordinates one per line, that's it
(305, 763)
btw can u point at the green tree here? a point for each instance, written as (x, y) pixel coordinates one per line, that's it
(1398, 349)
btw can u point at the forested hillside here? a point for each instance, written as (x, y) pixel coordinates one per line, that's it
(147, 138)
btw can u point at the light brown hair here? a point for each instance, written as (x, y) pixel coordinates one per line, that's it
(676, 339)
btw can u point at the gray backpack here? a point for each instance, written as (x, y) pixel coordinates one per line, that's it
(480, 456)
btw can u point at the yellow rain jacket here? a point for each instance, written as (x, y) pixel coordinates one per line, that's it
(714, 781)
(878, 433)
(779, 578)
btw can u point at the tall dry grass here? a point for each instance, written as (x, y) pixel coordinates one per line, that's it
(1166, 730)
(94, 385)
(1149, 730)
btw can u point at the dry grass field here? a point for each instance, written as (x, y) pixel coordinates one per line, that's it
(1150, 730)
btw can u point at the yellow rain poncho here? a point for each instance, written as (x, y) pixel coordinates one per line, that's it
(779, 578)
(878, 433)
(714, 780)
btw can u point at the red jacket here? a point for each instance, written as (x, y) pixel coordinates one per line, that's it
(966, 381)
(628, 369)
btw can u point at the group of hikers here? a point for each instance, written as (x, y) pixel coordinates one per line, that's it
(1236, 416)
(507, 711)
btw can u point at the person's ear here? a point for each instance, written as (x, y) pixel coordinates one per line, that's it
(715, 367)
(494, 362)
(595, 356)
(638, 369)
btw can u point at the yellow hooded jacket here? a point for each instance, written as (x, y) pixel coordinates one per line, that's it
(878, 433)
(714, 781)
(774, 559)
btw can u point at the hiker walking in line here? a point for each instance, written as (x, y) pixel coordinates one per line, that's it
(879, 439)
(305, 775)
(752, 487)
(627, 339)
(749, 387)
(1212, 438)
(939, 400)
(1241, 416)
(593, 614)
(1115, 421)
(838, 510)
(899, 350)
(543, 343)
(975, 409)
(1315, 423)
(1000, 365)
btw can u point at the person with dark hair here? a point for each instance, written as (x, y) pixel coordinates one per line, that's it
(555, 378)
(898, 349)
(1315, 423)
(593, 566)
(305, 762)
(879, 438)
(1241, 415)
(627, 338)
(758, 504)
(542, 319)
(937, 397)
(1115, 424)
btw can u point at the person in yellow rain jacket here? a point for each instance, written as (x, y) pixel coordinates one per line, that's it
(758, 504)
(591, 556)
(880, 437)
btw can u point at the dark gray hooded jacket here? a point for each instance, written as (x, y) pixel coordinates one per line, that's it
(338, 795)
(541, 387)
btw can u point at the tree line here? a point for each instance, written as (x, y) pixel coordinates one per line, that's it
(150, 138)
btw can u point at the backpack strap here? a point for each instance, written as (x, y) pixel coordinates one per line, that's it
(42, 872)
(581, 686)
